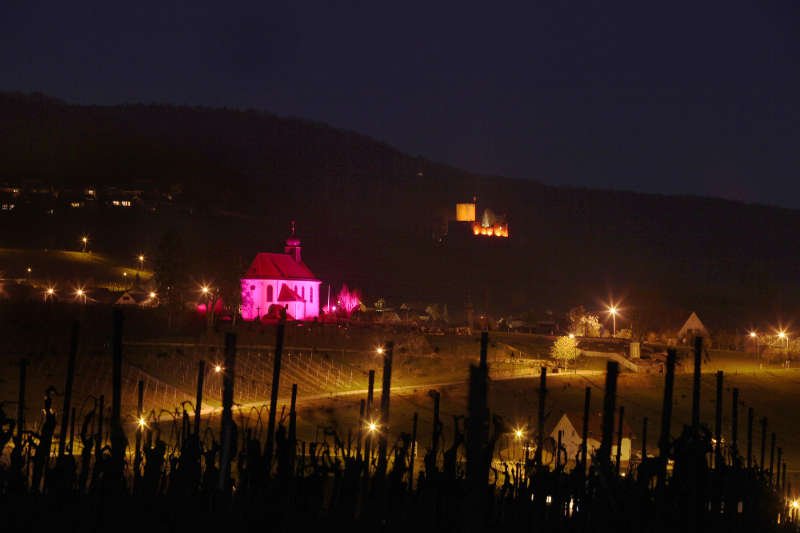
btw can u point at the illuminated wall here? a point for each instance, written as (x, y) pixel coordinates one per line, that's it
(465, 212)
(301, 298)
(496, 230)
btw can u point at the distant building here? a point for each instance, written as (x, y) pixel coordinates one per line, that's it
(571, 426)
(276, 281)
(138, 297)
(692, 328)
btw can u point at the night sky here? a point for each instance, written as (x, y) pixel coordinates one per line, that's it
(669, 97)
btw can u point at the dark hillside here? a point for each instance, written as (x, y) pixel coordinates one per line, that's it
(368, 214)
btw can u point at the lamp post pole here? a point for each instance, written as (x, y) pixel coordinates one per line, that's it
(785, 337)
(613, 312)
(754, 336)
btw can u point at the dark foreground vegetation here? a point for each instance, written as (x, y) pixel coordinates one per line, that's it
(88, 475)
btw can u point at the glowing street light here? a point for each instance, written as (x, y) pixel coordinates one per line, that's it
(205, 289)
(217, 368)
(141, 262)
(574, 347)
(612, 310)
(142, 422)
(782, 335)
(80, 293)
(754, 337)
(519, 433)
(372, 427)
(379, 350)
(49, 293)
(152, 295)
(85, 242)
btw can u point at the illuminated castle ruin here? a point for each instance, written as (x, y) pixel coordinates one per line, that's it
(490, 224)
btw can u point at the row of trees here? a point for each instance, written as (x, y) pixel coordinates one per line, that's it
(175, 287)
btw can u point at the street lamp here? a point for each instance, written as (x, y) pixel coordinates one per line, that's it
(754, 336)
(84, 242)
(379, 350)
(782, 335)
(612, 310)
(141, 262)
(574, 345)
(49, 293)
(80, 293)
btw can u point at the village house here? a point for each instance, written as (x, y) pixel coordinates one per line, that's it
(571, 425)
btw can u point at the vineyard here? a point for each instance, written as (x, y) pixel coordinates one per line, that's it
(489, 476)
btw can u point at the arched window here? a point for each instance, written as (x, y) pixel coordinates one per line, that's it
(269, 293)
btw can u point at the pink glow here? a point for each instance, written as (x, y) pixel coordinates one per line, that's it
(347, 301)
(219, 307)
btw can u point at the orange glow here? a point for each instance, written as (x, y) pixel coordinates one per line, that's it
(465, 212)
(498, 230)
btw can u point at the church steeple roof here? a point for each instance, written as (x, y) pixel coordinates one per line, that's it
(293, 246)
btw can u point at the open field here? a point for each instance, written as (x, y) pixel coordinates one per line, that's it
(70, 267)
(770, 393)
(333, 380)
(330, 365)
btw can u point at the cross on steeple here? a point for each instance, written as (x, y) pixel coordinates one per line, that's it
(293, 246)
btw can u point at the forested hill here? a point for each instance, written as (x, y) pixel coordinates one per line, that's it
(369, 215)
